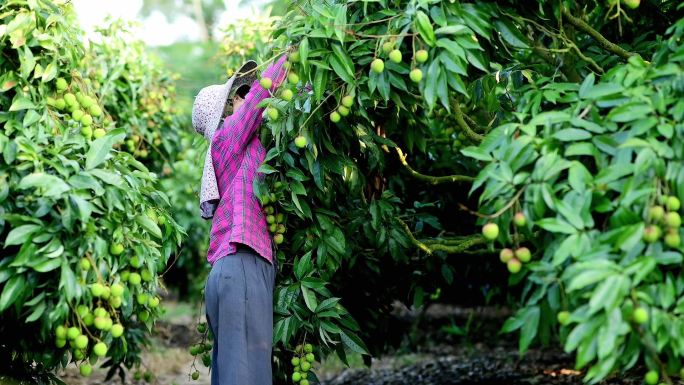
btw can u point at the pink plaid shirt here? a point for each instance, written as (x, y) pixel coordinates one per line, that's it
(236, 153)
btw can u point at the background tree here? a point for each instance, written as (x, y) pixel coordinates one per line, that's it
(205, 12)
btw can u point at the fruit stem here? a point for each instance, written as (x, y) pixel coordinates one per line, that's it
(600, 39)
(429, 178)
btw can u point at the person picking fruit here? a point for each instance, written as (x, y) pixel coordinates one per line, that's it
(239, 289)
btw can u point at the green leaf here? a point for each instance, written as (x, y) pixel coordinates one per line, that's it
(149, 225)
(556, 225)
(529, 328)
(341, 23)
(511, 34)
(37, 312)
(48, 264)
(20, 102)
(424, 27)
(601, 90)
(20, 234)
(53, 185)
(100, 148)
(477, 153)
(309, 298)
(572, 134)
(12, 291)
(353, 342)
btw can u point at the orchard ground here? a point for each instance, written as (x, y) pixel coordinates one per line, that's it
(445, 345)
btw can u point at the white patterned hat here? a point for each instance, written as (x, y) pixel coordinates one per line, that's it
(207, 111)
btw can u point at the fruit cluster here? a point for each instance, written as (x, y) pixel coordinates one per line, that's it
(79, 109)
(668, 217)
(512, 258)
(275, 221)
(394, 54)
(302, 361)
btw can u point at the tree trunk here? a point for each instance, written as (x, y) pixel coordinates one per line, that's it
(201, 20)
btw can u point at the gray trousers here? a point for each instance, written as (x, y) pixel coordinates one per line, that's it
(239, 302)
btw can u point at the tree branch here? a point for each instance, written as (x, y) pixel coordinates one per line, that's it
(464, 126)
(600, 39)
(429, 178)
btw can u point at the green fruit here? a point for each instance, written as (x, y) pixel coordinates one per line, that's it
(310, 357)
(416, 75)
(117, 290)
(651, 234)
(519, 219)
(61, 332)
(85, 369)
(305, 376)
(640, 315)
(301, 141)
(673, 220)
(51, 101)
(116, 302)
(421, 56)
(100, 323)
(95, 110)
(73, 332)
(60, 342)
(144, 315)
(633, 4)
(82, 310)
(296, 377)
(656, 213)
(272, 227)
(672, 239)
(270, 219)
(81, 342)
(506, 255)
(79, 355)
(490, 231)
(97, 289)
(294, 57)
(335, 117)
(342, 110)
(87, 102)
(266, 83)
(514, 266)
(99, 132)
(272, 113)
(523, 254)
(85, 264)
(563, 317)
(278, 239)
(305, 366)
(280, 229)
(673, 203)
(61, 84)
(195, 375)
(86, 120)
(280, 217)
(116, 249)
(117, 330)
(347, 101)
(304, 382)
(100, 312)
(395, 56)
(146, 275)
(651, 377)
(295, 361)
(201, 328)
(293, 78)
(124, 275)
(287, 95)
(387, 47)
(100, 349)
(147, 376)
(134, 279)
(106, 292)
(60, 104)
(142, 299)
(77, 114)
(378, 66)
(88, 319)
(135, 261)
(308, 348)
(153, 302)
(206, 360)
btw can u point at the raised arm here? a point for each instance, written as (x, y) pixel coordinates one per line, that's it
(239, 127)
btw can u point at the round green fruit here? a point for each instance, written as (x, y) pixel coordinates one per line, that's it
(116, 249)
(73, 332)
(100, 349)
(195, 375)
(99, 132)
(347, 101)
(506, 255)
(563, 317)
(85, 369)
(651, 234)
(395, 56)
(100, 312)
(60, 342)
(278, 239)
(266, 83)
(342, 110)
(135, 262)
(673, 203)
(60, 104)
(70, 99)
(100, 323)
(61, 84)
(142, 299)
(305, 366)
(153, 302)
(116, 302)
(117, 290)
(146, 275)
(270, 219)
(304, 382)
(672, 239)
(295, 361)
(88, 319)
(673, 220)
(87, 131)
(335, 117)
(416, 75)
(421, 56)
(85, 264)
(77, 114)
(117, 330)
(640, 315)
(294, 57)
(81, 342)
(310, 357)
(378, 66)
(514, 266)
(86, 120)
(287, 95)
(633, 4)
(280, 229)
(519, 219)
(387, 47)
(301, 141)
(296, 377)
(95, 110)
(97, 289)
(124, 275)
(144, 315)
(134, 279)
(293, 78)
(308, 348)
(61, 332)
(523, 254)
(272, 113)
(651, 377)
(490, 231)
(656, 213)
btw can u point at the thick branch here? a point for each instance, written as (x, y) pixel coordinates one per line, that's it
(472, 123)
(570, 73)
(464, 126)
(429, 178)
(600, 39)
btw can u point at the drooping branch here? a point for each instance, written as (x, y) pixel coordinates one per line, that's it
(600, 39)
(464, 126)
(429, 178)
